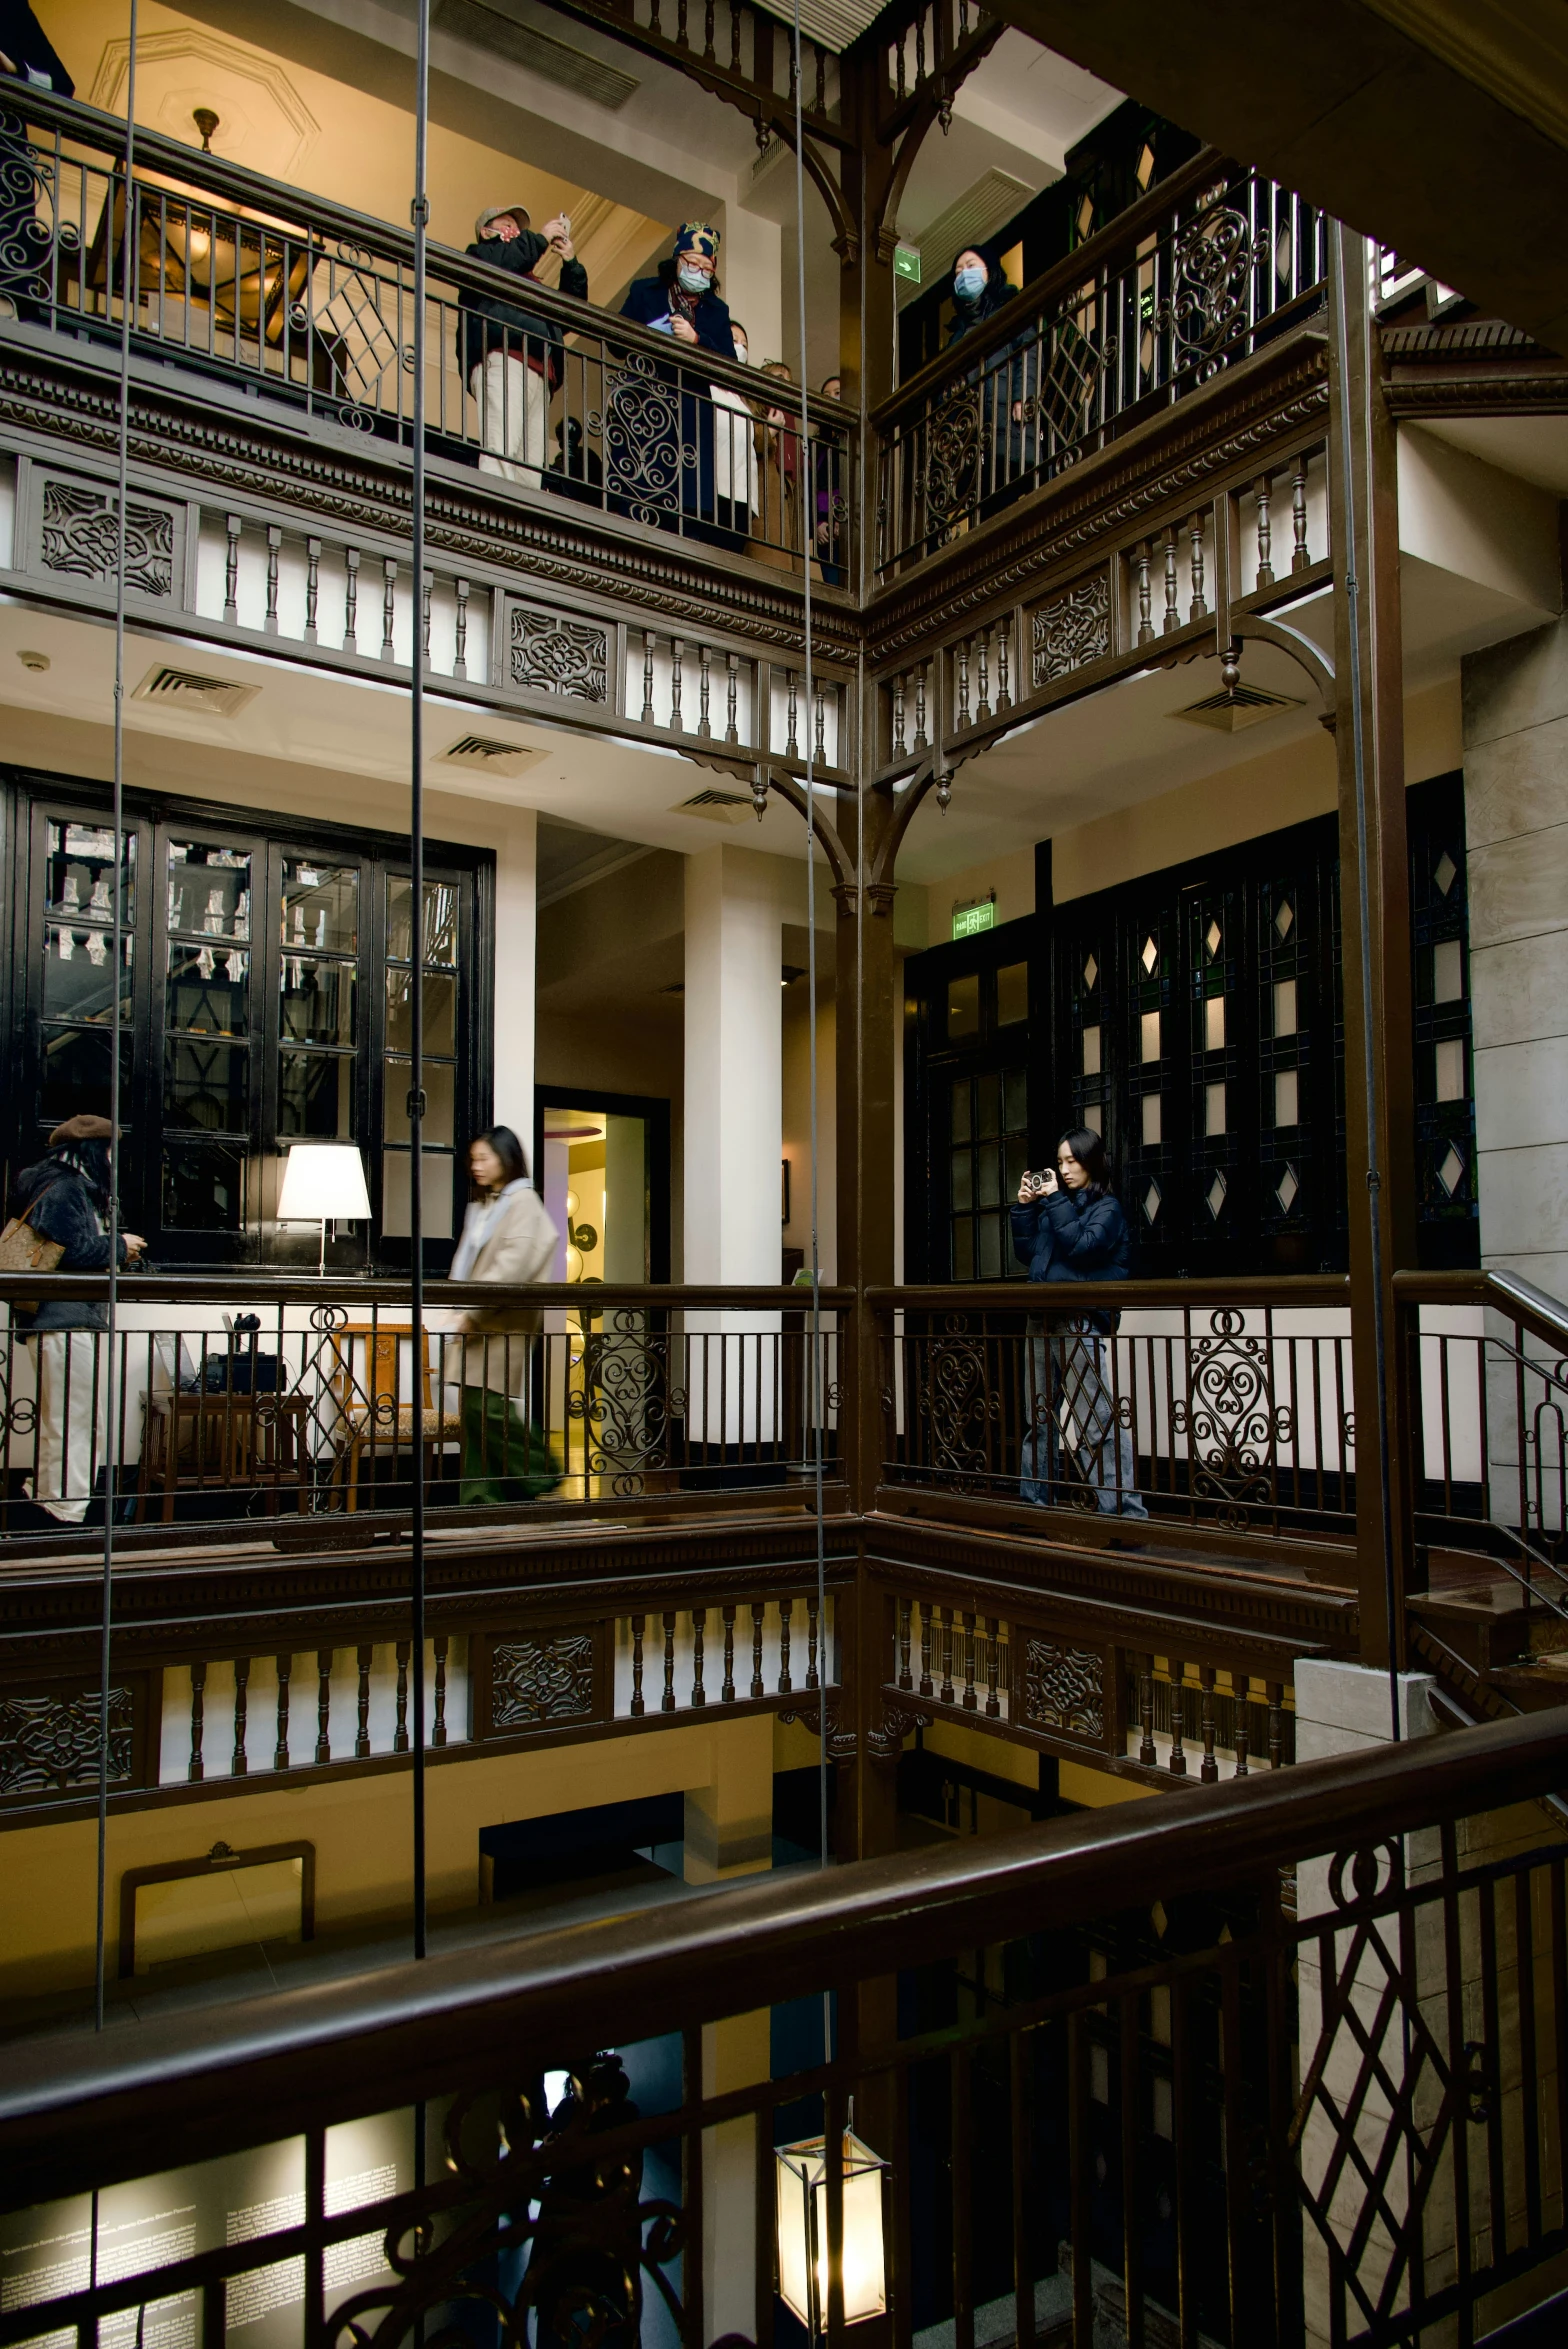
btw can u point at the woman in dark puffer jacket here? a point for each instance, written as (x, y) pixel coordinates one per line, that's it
(1068, 1225)
(65, 1198)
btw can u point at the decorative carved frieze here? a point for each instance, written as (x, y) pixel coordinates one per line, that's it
(78, 535)
(548, 653)
(1063, 1687)
(541, 1680)
(49, 1743)
(1072, 629)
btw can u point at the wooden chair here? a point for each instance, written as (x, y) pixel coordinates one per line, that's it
(371, 1415)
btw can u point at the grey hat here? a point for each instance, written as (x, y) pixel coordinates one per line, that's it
(517, 212)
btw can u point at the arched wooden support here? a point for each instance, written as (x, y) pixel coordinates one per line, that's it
(790, 791)
(1296, 647)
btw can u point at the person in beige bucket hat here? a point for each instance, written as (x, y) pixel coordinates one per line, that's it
(512, 357)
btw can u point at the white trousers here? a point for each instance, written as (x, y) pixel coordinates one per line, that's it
(68, 1364)
(514, 417)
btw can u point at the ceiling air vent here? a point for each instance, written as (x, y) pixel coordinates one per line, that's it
(717, 807)
(516, 30)
(1247, 706)
(183, 689)
(496, 758)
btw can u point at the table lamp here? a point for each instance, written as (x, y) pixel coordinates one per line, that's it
(323, 1182)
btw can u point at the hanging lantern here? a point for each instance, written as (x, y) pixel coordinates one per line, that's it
(802, 2223)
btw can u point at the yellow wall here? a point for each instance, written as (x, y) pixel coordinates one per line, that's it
(1241, 803)
(323, 135)
(1079, 1783)
(360, 1828)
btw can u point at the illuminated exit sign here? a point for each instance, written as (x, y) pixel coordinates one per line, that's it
(970, 920)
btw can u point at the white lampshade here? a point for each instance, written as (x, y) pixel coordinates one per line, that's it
(324, 1182)
(802, 2242)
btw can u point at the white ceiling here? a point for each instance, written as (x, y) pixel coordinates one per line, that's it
(1533, 447)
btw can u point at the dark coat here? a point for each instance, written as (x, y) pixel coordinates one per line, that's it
(648, 299)
(1074, 1236)
(659, 449)
(494, 322)
(69, 1211)
(30, 50)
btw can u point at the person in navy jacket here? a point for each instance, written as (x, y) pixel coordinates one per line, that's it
(1068, 1225)
(659, 449)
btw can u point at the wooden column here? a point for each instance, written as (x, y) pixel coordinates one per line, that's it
(865, 975)
(1375, 956)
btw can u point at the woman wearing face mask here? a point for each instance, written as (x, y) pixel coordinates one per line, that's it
(665, 474)
(1005, 379)
(734, 456)
(1068, 1225)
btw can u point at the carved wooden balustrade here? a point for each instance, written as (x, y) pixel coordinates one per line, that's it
(1214, 580)
(1197, 276)
(1116, 2087)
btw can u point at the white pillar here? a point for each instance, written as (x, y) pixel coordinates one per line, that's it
(734, 1068)
(516, 922)
(734, 1097)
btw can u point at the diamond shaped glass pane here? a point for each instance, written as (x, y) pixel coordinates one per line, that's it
(1211, 937)
(1086, 216)
(1091, 971)
(1452, 1171)
(1283, 919)
(1286, 1188)
(1444, 873)
(1214, 1197)
(1152, 1201)
(1150, 956)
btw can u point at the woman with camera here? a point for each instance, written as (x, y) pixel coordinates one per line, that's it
(1068, 1225)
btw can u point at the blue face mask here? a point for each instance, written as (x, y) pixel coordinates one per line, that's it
(969, 284)
(693, 281)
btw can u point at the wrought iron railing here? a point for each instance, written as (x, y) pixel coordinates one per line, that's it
(1157, 2073)
(310, 1411)
(1226, 1404)
(312, 304)
(1201, 273)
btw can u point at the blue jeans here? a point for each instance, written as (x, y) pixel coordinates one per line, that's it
(1074, 1441)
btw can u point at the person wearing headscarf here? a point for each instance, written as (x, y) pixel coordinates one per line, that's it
(659, 450)
(780, 531)
(513, 358)
(65, 1198)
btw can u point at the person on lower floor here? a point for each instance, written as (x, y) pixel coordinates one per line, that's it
(512, 357)
(65, 1198)
(508, 1237)
(1068, 1225)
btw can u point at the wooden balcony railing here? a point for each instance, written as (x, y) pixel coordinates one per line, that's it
(1163, 2072)
(1202, 272)
(311, 304)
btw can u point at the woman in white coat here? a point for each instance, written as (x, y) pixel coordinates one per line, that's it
(507, 1237)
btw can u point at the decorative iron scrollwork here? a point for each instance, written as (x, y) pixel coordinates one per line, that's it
(1214, 260)
(546, 2233)
(49, 1744)
(644, 449)
(1063, 1687)
(79, 535)
(957, 1404)
(551, 654)
(1229, 1417)
(955, 446)
(541, 1680)
(627, 1401)
(1072, 629)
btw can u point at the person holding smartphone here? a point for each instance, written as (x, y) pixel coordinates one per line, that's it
(1068, 1225)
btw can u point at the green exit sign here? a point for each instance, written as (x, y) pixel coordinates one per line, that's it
(906, 262)
(970, 920)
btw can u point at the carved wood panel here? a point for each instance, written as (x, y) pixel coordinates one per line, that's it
(550, 1678)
